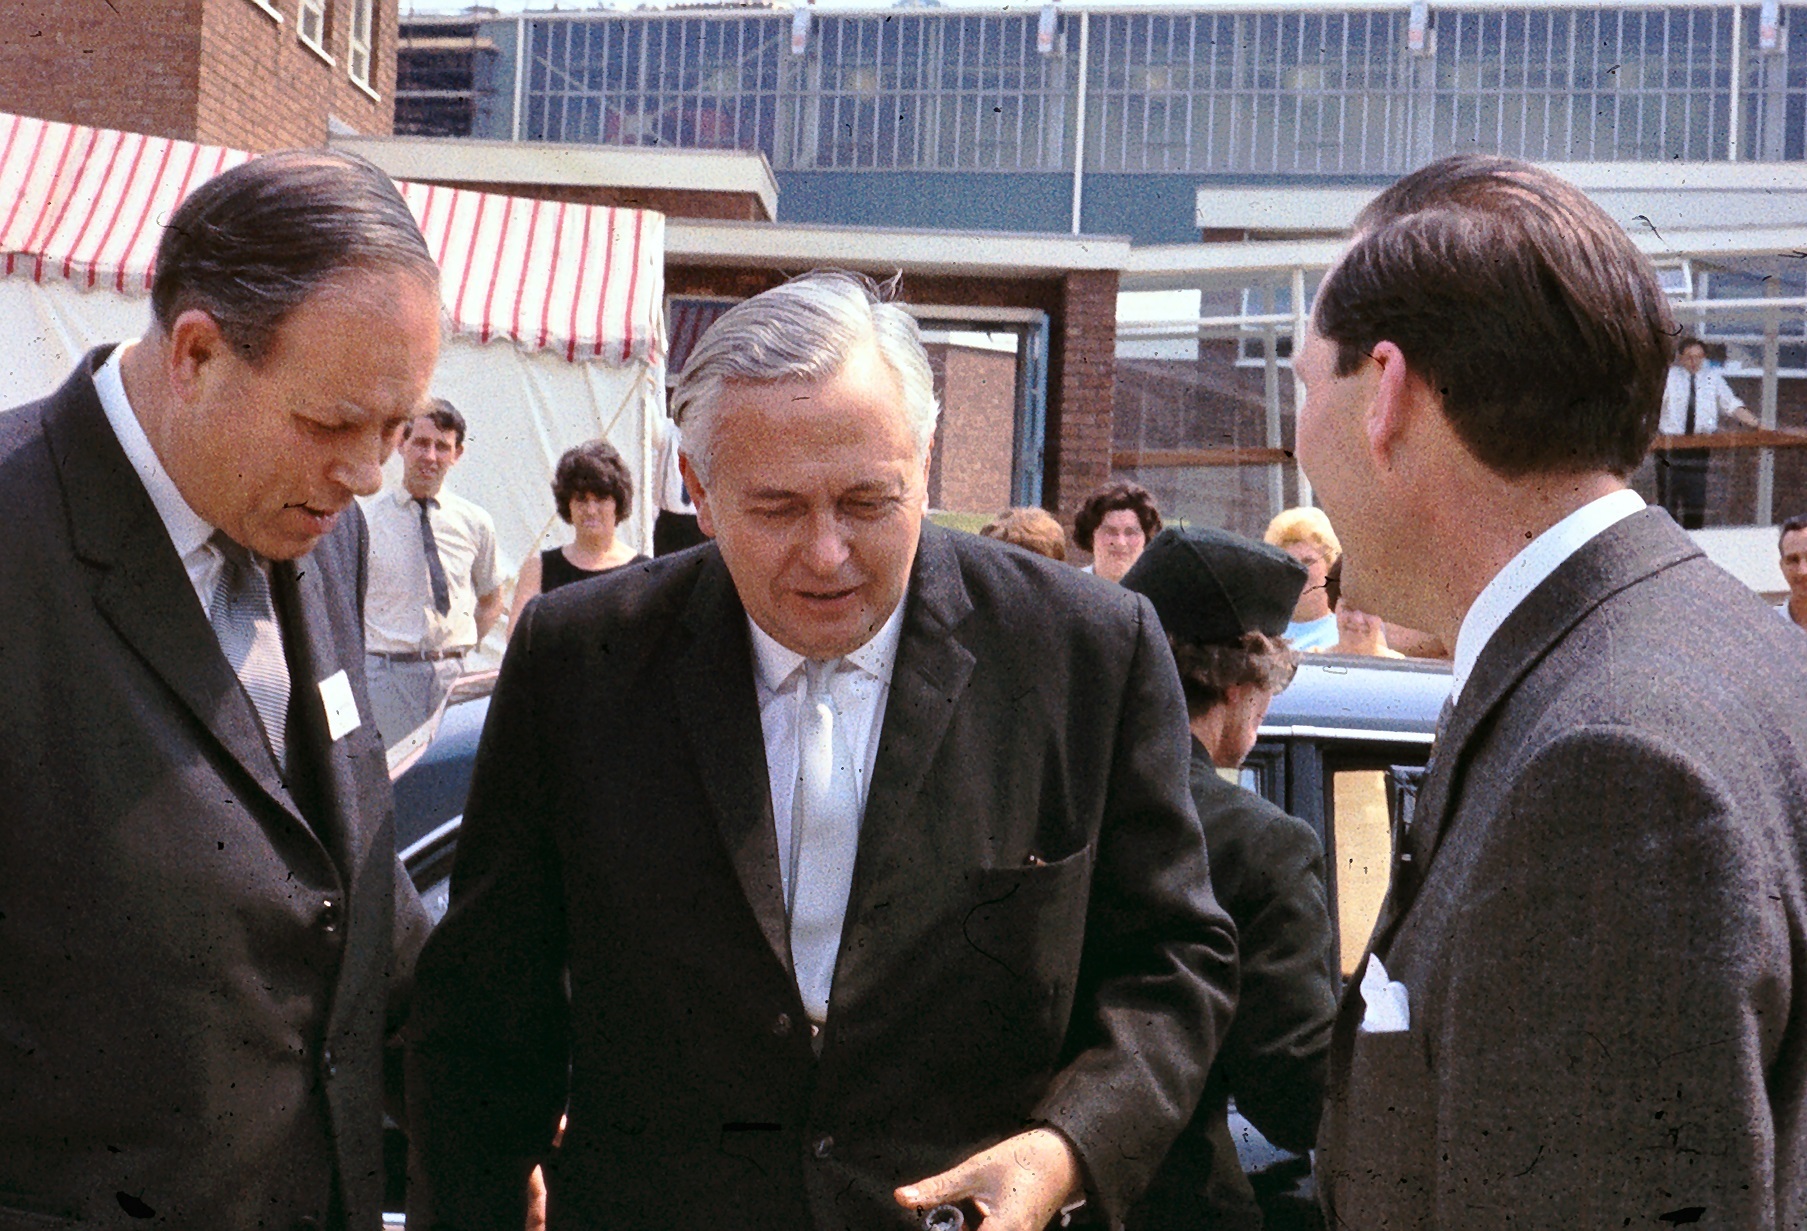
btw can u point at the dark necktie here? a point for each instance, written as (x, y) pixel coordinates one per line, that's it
(442, 596)
(244, 619)
(1692, 378)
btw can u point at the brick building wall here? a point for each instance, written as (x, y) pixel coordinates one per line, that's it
(223, 72)
(1082, 312)
(133, 65)
(262, 88)
(1083, 370)
(974, 447)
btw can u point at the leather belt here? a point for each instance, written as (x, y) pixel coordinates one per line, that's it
(418, 656)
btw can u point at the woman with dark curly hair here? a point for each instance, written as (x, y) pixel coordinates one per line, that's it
(1115, 524)
(594, 494)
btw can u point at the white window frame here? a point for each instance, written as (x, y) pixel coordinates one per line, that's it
(270, 10)
(358, 53)
(311, 27)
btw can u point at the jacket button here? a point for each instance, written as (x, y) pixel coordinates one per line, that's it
(824, 1147)
(326, 1062)
(781, 1025)
(329, 915)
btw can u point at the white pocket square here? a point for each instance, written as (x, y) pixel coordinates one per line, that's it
(1388, 1011)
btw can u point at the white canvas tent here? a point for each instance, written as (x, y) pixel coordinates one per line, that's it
(554, 330)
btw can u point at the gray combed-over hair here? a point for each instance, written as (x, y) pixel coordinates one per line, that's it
(803, 330)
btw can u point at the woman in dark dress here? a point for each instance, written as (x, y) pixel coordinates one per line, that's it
(594, 494)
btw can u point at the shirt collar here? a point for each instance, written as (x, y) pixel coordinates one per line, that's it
(774, 664)
(187, 530)
(1528, 569)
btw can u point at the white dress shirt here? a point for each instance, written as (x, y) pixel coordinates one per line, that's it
(399, 617)
(860, 690)
(1712, 398)
(1527, 570)
(187, 530)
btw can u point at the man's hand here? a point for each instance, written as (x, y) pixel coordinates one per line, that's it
(1020, 1184)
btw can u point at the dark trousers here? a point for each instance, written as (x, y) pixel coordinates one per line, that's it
(1681, 485)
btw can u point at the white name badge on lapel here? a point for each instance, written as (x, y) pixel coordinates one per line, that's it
(341, 707)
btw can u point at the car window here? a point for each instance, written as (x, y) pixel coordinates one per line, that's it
(1362, 842)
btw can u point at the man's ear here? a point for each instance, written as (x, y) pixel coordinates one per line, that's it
(1399, 396)
(699, 496)
(196, 349)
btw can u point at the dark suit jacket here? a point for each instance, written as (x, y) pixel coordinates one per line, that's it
(195, 960)
(1602, 924)
(1267, 869)
(1030, 936)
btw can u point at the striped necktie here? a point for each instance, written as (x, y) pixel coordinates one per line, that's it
(244, 619)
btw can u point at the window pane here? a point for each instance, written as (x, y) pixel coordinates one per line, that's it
(1364, 855)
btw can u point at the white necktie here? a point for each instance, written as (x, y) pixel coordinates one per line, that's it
(825, 834)
(244, 619)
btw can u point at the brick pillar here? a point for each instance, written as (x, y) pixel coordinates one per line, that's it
(1080, 382)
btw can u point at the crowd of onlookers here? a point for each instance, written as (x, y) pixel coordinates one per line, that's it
(1118, 521)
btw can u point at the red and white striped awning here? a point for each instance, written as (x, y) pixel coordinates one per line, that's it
(87, 205)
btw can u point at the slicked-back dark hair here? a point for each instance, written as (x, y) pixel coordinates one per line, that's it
(594, 468)
(251, 244)
(1521, 302)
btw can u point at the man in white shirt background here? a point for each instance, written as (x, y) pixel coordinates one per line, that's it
(434, 589)
(1585, 979)
(1695, 399)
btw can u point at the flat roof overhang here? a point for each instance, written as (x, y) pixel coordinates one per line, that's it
(1165, 267)
(466, 160)
(1639, 195)
(886, 250)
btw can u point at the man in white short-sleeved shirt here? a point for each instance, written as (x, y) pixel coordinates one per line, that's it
(434, 590)
(1695, 398)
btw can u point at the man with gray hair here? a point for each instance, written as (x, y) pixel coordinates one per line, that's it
(829, 873)
(203, 927)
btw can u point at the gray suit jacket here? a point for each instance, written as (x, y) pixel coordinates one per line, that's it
(1600, 918)
(196, 958)
(1031, 934)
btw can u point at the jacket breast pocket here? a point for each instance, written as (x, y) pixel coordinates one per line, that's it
(1391, 1095)
(1026, 927)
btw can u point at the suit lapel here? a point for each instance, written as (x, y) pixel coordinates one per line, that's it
(927, 682)
(719, 710)
(1624, 553)
(141, 587)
